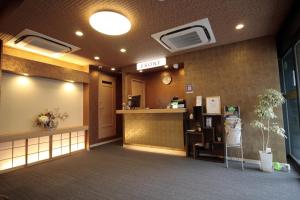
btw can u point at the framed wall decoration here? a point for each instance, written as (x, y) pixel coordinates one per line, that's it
(189, 88)
(213, 105)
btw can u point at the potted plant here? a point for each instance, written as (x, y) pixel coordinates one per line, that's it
(266, 122)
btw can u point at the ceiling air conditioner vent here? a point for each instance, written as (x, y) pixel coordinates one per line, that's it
(187, 36)
(32, 41)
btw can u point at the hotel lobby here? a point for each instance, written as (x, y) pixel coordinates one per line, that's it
(149, 99)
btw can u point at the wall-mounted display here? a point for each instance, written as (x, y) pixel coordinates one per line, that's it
(189, 88)
(213, 105)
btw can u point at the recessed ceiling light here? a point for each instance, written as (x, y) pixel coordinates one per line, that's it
(123, 50)
(110, 23)
(112, 69)
(96, 57)
(166, 66)
(79, 33)
(239, 26)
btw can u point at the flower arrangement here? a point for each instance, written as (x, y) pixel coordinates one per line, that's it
(50, 119)
(266, 117)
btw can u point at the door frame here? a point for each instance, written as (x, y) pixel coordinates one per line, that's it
(291, 50)
(144, 98)
(102, 77)
(93, 99)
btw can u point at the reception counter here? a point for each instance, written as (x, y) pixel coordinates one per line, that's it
(154, 128)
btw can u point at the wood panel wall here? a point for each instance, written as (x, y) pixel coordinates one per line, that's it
(93, 106)
(48, 60)
(238, 73)
(33, 68)
(159, 95)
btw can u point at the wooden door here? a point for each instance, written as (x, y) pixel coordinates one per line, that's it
(138, 88)
(107, 106)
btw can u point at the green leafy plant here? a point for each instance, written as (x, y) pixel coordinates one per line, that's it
(266, 117)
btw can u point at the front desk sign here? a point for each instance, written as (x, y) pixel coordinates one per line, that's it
(151, 64)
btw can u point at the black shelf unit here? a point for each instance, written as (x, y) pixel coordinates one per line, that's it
(205, 144)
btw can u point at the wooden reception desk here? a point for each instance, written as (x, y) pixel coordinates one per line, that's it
(154, 127)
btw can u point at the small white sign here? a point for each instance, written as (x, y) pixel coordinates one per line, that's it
(151, 64)
(198, 100)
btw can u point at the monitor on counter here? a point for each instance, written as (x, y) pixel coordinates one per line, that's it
(135, 101)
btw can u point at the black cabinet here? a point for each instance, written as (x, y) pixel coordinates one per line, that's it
(204, 135)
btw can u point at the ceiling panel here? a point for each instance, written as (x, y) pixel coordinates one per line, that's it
(60, 19)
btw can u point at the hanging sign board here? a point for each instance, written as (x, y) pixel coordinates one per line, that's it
(151, 64)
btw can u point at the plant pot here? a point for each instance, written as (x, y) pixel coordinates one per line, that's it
(234, 136)
(266, 161)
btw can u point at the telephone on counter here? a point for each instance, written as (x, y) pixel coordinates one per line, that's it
(177, 103)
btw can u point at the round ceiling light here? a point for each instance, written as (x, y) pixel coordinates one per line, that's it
(110, 23)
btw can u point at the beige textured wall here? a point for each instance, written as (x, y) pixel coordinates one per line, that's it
(238, 73)
(23, 98)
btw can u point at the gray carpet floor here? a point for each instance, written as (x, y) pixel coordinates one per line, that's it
(111, 172)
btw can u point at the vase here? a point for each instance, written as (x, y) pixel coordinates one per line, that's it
(266, 159)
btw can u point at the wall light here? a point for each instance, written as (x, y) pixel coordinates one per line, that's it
(239, 26)
(110, 23)
(141, 71)
(25, 74)
(166, 66)
(23, 80)
(97, 58)
(123, 50)
(113, 69)
(69, 86)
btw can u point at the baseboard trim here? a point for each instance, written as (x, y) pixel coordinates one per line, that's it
(256, 162)
(152, 149)
(250, 161)
(295, 159)
(105, 142)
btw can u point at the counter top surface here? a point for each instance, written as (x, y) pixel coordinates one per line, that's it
(178, 110)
